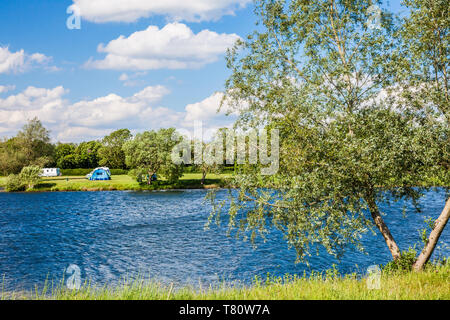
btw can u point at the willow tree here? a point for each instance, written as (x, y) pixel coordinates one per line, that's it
(423, 71)
(150, 153)
(111, 153)
(319, 71)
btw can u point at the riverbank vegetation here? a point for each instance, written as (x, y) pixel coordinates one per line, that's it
(431, 284)
(139, 157)
(123, 182)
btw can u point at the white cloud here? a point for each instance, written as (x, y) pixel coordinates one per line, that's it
(101, 11)
(11, 62)
(133, 79)
(46, 104)
(75, 134)
(173, 47)
(4, 89)
(18, 62)
(94, 118)
(124, 77)
(114, 110)
(211, 109)
(86, 119)
(205, 109)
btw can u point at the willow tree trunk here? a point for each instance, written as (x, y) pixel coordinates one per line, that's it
(203, 177)
(382, 227)
(439, 226)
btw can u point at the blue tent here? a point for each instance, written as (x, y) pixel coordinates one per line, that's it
(100, 174)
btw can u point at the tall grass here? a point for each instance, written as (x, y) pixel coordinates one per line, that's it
(431, 284)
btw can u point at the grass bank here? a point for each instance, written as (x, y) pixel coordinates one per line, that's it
(431, 284)
(125, 182)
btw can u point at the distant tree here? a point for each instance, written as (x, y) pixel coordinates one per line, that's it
(30, 176)
(34, 141)
(86, 154)
(172, 172)
(31, 146)
(212, 163)
(12, 159)
(111, 153)
(69, 161)
(150, 152)
(63, 150)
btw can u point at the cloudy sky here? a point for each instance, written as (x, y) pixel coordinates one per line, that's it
(138, 64)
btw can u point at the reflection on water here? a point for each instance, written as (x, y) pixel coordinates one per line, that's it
(113, 234)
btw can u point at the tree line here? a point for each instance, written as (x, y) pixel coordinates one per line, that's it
(32, 146)
(142, 155)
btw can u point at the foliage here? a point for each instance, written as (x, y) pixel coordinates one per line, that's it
(212, 162)
(423, 64)
(12, 159)
(118, 172)
(14, 183)
(86, 154)
(27, 179)
(64, 156)
(35, 142)
(111, 154)
(403, 264)
(31, 146)
(150, 151)
(139, 174)
(172, 172)
(30, 176)
(320, 74)
(83, 172)
(69, 161)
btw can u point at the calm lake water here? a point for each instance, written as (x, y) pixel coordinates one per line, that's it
(113, 234)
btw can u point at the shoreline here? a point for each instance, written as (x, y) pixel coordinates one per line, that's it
(114, 190)
(190, 181)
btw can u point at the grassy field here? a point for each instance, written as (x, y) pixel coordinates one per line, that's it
(429, 285)
(125, 182)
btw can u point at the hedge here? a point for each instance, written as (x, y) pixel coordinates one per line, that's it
(83, 172)
(117, 172)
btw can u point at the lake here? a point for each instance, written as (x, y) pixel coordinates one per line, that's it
(110, 235)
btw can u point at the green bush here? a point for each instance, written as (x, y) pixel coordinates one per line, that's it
(75, 172)
(139, 174)
(118, 172)
(83, 172)
(30, 176)
(14, 183)
(197, 169)
(403, 264)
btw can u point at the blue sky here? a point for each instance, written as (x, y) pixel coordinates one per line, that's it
(82, 91)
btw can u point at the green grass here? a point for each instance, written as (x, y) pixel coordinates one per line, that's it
(431, 284)
(125, 182)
